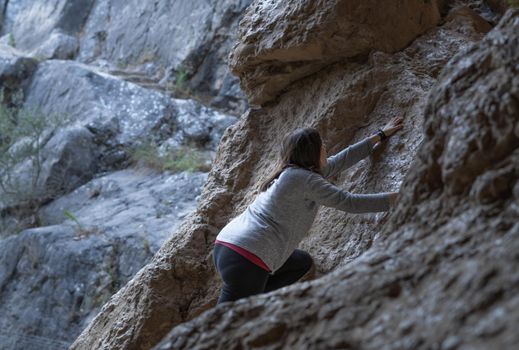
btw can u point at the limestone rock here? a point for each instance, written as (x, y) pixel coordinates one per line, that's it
(59, 46)
(67, 161)
(121, 114)
(443, 273)
(15, 71)
(346, 101)
(188, 38)
(166, 39)
(283, 41)
(55, 278)
(32, 22)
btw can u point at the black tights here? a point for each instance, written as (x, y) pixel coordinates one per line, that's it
(242, 278)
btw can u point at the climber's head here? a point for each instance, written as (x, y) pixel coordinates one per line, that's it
(302, 147)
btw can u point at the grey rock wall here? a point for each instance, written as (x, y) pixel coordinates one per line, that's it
(55, 278)
(163, 40)
(32, 22)
(346, 101)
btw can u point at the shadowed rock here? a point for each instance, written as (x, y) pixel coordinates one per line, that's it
(346, 102)
(283, 41)
(55, 278)
(443, 273)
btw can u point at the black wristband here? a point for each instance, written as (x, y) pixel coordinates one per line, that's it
(382, 134)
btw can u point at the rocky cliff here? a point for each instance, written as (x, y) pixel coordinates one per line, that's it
(442, 272)
(139, 86)
(437, 271)
(178, 47)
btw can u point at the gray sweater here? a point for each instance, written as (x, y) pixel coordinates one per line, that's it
(280, 217)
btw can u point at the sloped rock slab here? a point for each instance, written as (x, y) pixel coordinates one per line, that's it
(55, 278)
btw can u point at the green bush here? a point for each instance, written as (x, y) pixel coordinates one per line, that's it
(181, 77)
(179, 87)
(12, 41)
(183, 159)
(81, 231)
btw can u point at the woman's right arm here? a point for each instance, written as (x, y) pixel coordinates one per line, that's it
(325, 193)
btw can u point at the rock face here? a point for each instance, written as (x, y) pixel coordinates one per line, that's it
(109, 117)
(199, 34)
(178, 45)
(283, 41)
(346, 101)
(59, 45)
(119, 113)
(15, 71)
(21, 17)
(55, 278)
(68, 160)
(443, 272)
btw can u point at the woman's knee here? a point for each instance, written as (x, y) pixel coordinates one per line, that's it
(305, 259)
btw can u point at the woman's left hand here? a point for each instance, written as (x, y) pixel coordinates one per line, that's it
(393, 126)
(393, 198)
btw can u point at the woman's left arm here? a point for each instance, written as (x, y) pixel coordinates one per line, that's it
(358, 151)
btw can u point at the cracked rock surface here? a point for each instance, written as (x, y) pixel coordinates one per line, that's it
(443, 272)
(415, 277)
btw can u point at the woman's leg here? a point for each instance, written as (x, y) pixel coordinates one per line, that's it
(241, 278)
(297, 264)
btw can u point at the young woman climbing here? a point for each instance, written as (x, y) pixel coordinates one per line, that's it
(256, 251)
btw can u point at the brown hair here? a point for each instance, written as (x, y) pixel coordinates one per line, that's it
(301, 147)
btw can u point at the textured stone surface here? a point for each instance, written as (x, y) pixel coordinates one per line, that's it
(443, 272)
(22, 17)
(67, 161)
(55, 278)
(346, 102)
(15, 71)
(109, 114)
(58, 45)
(120, 113)
(164, 40)
(283, 41)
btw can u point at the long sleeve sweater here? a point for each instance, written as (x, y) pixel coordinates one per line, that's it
(279, 218)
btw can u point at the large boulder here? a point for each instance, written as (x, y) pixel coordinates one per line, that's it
(63, 158)
(346, 102)
(167, 40)
(67, 160)
(108, 118)
(58, 45)
(32, 22)
(443, 273)
(55, 278)
(283, 41)
(16, 69)
(119, 113)
(189, 38)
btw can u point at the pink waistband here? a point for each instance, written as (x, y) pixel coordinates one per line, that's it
(245, 253)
